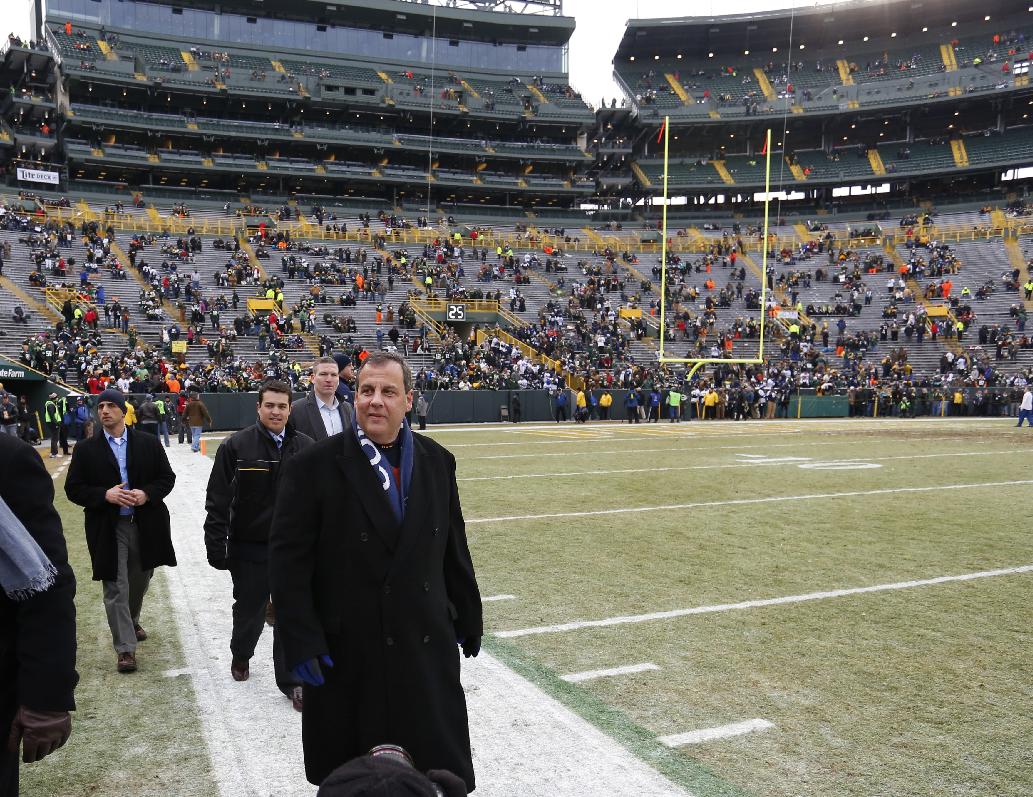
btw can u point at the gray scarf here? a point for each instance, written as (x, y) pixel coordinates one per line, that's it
(24, 569)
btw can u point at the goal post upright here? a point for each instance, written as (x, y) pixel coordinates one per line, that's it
(697, 362)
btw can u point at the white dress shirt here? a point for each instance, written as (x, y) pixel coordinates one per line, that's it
(331, 416)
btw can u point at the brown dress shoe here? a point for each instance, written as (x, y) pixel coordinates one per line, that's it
(126, 662)
(141, 635)
(240, 670)
(297, 700)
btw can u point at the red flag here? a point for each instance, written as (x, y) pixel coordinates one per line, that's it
(660, 135)
(764, 149)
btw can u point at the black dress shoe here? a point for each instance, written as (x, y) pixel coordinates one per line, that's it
(240, 670)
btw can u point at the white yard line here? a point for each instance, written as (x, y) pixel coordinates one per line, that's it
(57, 473)
(712, 734)
(756, 604)
(493, 598)
(744, 501)
(591, 675)
(525, 743)
(777, 461)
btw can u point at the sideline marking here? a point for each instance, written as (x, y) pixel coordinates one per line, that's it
(720, 732)
(742, 501)
(578, 677)
(58, 472)
(755, 604)
(498, 598)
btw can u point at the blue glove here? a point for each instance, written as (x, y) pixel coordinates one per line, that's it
(309, 672)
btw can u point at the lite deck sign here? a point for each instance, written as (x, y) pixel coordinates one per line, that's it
(38, 176)
(456, 312)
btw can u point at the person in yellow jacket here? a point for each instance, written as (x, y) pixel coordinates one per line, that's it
(581, 402)
(130, 418)
(605, 402)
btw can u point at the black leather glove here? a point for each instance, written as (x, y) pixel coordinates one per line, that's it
(471, 646)
(219, 564)
(450, 785)
(40, 733)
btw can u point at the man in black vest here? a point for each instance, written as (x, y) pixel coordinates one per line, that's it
(242, 490)
(371, 602)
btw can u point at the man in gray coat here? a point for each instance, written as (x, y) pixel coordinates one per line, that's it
(321, 414)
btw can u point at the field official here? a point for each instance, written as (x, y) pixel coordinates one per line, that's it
(241, 493)
(374, 586)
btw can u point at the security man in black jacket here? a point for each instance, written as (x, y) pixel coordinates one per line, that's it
(240, 500)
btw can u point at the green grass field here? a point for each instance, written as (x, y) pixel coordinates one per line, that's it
(921, 690)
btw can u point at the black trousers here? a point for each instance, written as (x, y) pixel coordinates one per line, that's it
(250, 596)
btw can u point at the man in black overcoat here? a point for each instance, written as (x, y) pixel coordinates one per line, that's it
(37, 630)
(121, 477)
(374, 586)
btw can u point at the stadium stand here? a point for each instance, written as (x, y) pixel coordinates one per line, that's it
(341, 177)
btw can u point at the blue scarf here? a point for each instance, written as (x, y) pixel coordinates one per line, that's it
(24, 569)
(395, 497)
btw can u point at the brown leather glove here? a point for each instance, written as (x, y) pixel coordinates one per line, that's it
(39, 732)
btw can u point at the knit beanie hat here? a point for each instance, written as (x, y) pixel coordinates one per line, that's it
(114, 396)
(342, 360)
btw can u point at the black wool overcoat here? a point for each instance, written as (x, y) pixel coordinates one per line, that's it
(386, 602)
(94, 470)
(37, 635)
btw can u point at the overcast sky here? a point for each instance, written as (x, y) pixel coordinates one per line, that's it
(600, 26)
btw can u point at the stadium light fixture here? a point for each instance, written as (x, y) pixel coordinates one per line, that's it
(954, 24)
(866, 38)
(774, 49)
(679, 56)
(710, 55)
(802, 46)
(745, 52)
(925, 30)
(893, 35)
(986, 18)
(656, 57)
(631, 58)
(840, 41)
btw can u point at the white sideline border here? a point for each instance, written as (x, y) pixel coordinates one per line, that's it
(524, 742)
(714, 734)
(757, 604)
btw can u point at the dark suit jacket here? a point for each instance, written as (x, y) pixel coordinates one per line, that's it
(37, 635)
(387, 602)
(94, 470)
(306, 418)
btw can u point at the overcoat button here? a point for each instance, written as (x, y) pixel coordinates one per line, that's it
(435, 529)
(389, 641)
(363, 537)
(426, 586)
(426, 639)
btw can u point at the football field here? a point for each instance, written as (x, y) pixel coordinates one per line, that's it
(834, 607)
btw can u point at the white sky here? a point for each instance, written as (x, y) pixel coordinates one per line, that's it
(600, 27)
